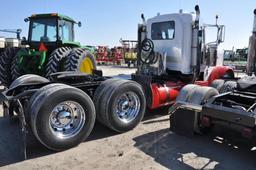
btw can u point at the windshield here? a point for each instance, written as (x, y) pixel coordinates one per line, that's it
(44, 30)
(163, 30)
(65, 30)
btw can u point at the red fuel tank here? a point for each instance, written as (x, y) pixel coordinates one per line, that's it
(164, 93)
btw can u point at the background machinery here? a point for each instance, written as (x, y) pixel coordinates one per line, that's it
(236, 59)
(103, 55)
(117, 55)
(130, 51)
(61, 113)
(10, 42)
(51, 48)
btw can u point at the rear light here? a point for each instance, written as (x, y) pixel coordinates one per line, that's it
(206, 121)
(247, 132)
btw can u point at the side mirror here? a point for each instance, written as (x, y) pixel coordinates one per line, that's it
(222, 34)
(79, 24)
(26, 19)
(23, 41)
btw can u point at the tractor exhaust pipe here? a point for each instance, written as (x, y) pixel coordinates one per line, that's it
(250, 68)
(195, 62)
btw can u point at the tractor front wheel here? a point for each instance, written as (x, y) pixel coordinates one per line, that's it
(81, 60)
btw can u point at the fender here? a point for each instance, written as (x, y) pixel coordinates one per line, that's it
(219, 72)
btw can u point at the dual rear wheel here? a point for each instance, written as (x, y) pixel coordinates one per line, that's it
(62, 116)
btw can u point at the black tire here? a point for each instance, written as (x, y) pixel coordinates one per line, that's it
(228, 86)
(34, 98)
(217, 84)
(108, 108)
(48, 98)
(5, 65)
(185, 92)
(75, 59)
(15, 69)
(56, 61)
(100, 90)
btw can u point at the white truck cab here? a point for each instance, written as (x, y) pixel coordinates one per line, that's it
(172, 36)
(180, 41)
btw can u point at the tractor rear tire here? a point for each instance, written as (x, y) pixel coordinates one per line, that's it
(5, 65)
(15, 67)
(80, 60)
(56, 61)
(122, 106)
(47, 125)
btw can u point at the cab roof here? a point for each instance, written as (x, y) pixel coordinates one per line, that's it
(51, 15)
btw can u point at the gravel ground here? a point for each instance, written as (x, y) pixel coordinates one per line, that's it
(149, 146)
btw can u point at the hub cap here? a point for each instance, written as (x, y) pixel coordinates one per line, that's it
(128, 107)
(67, 119)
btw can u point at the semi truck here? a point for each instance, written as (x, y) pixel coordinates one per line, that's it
(61, 112)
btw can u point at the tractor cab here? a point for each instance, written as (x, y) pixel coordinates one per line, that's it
(50, 40)
(52, 30)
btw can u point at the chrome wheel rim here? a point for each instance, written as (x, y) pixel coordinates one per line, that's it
(128, 107)
(67, 119)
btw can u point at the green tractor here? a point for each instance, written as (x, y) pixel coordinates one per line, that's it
(49, 48)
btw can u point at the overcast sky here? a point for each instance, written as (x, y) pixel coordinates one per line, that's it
(104, 22)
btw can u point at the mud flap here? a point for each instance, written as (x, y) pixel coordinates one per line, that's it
(184, 119)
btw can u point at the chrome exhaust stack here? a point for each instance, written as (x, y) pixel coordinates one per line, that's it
(250, 67)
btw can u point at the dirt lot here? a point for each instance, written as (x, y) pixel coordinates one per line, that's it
(150, 146)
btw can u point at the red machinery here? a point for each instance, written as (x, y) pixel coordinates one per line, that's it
(117, 55)
(102, 55)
